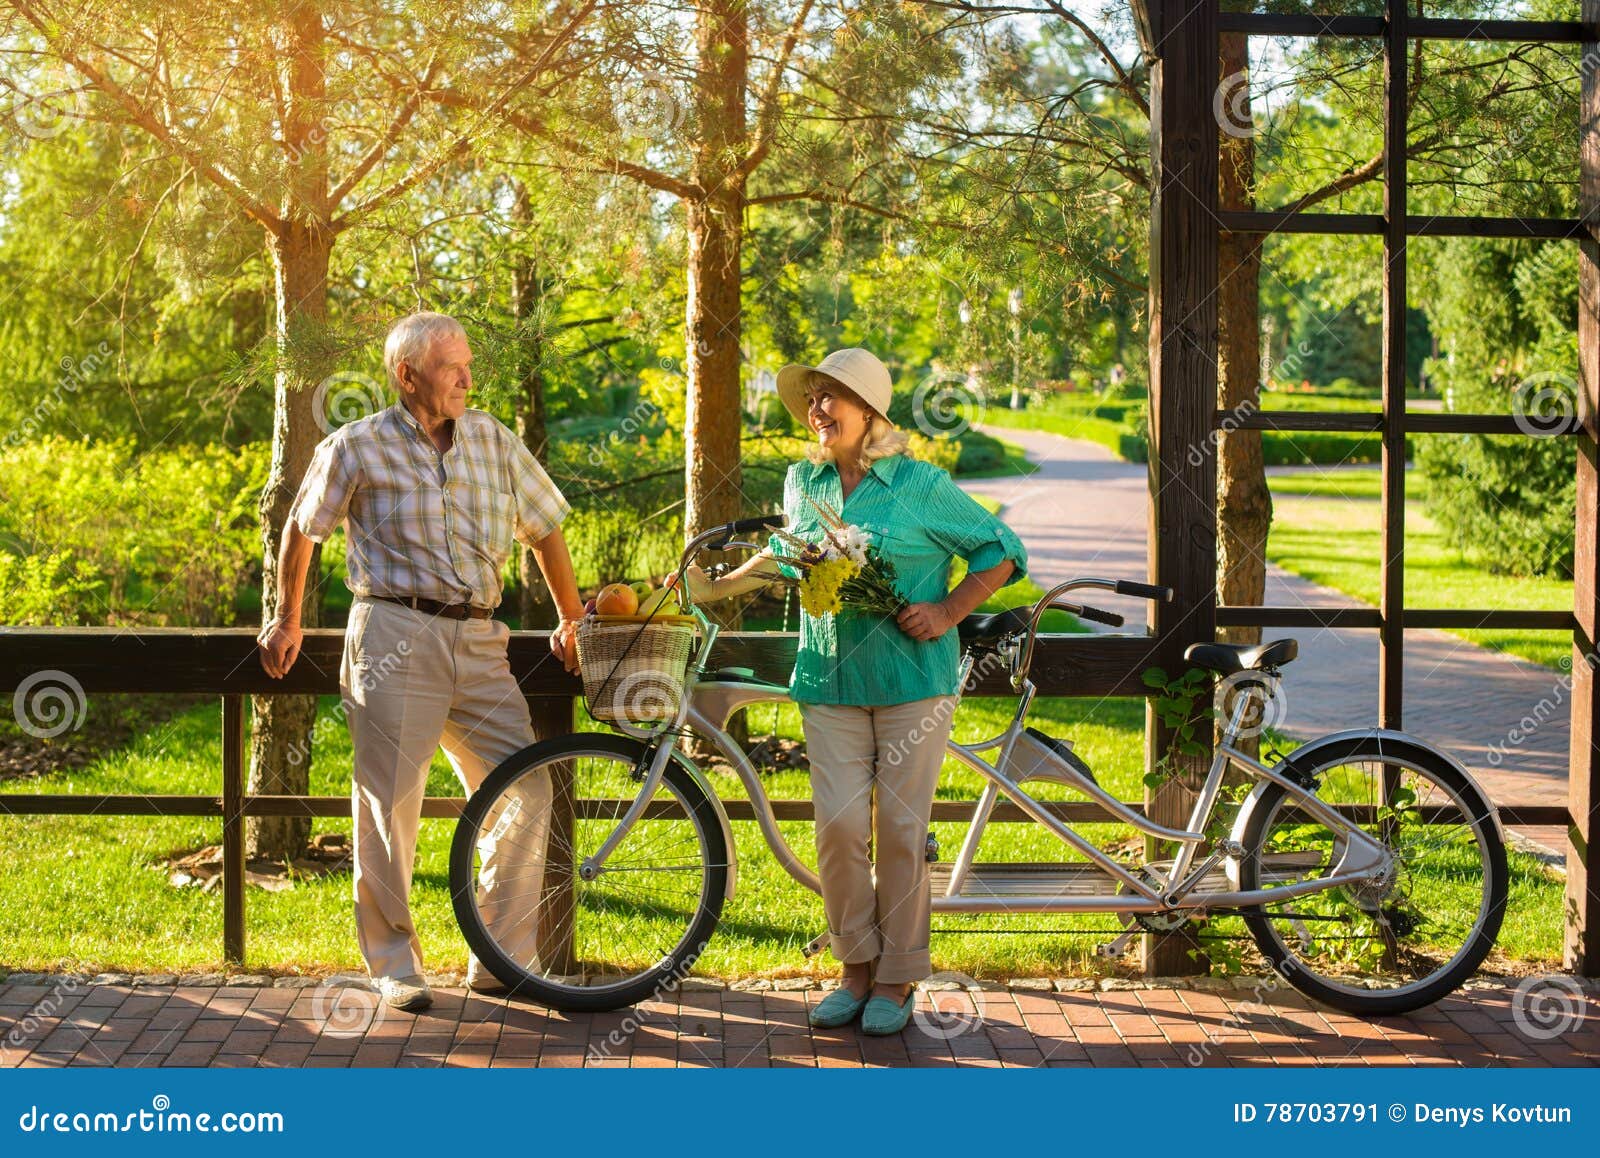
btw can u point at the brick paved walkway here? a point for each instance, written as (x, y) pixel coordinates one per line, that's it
(54, 1021)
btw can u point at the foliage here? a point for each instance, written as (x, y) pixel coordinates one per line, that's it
(1507, 312)
(98, 533)
(1181, 703)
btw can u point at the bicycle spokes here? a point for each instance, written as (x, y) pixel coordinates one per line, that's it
(1395, 929)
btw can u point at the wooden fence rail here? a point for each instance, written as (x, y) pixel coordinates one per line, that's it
(177, 661)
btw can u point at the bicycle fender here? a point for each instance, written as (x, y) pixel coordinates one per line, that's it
(699, 778)
(1241, 824)
(1297, 764)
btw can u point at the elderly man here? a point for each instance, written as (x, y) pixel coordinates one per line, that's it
(431, 494)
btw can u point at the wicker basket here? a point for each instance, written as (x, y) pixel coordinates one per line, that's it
(634, 666)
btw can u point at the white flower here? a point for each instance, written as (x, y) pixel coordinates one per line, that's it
(855, 542)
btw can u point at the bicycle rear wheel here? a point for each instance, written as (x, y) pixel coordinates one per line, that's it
(1386, 946)
(580, 945)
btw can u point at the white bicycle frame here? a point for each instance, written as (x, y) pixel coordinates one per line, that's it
(707, 706)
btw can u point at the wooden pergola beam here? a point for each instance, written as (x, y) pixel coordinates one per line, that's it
(1184, 235)
(1582, 938)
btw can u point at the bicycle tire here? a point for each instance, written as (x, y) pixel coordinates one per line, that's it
(626, 990)
(1371, 1002)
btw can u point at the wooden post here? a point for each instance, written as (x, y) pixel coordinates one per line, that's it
(233, 829)
(1582, 939)
(552, 716)
(1391, 635)
(1184, 235)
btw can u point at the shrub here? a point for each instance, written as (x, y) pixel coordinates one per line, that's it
(170, 536)
(53, 590)
(1507, 501)
(941, 452)
(977, 452)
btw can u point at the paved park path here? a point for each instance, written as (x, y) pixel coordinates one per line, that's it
(44, 1022)
(1084, 513)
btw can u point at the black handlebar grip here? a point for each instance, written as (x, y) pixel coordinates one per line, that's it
(759, 523)
(1109, 618)
(1143, 591)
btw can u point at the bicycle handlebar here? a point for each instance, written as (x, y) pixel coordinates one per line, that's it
(1024, 660)
(1143, 590)
(720, 537)
(1109, 618)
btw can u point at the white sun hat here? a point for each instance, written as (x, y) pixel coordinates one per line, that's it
(856, 369)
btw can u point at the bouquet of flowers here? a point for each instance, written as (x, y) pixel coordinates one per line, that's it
(843, 570)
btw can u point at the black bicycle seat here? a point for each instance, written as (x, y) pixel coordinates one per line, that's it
(986, 630)
(1232, 658)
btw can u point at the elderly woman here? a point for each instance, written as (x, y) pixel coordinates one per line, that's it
(876, 694)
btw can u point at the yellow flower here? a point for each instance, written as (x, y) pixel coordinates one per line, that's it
(819, 590)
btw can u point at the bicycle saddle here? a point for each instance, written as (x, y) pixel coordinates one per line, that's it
(1232, 658)
(986, 630)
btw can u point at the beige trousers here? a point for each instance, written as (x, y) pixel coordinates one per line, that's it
(410, 682)
(882, 760)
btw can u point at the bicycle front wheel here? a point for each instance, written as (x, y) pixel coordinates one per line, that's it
(642, 919)
(1388, 945)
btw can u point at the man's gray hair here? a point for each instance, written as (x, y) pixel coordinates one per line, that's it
(410, 337)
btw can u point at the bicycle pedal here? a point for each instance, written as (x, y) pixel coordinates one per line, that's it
(814, 946)
(1113, 950)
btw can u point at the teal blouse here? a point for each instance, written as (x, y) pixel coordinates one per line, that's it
(920, 520)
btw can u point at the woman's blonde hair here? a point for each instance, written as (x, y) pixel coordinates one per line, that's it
(883, 437)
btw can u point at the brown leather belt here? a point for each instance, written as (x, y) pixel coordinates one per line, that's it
(434, 607)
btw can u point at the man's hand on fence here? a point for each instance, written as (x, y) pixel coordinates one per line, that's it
(564, 644)
(279, 646)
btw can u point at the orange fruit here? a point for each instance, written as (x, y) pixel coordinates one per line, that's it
(616, 599)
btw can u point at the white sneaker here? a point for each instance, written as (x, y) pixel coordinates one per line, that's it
(410, 994)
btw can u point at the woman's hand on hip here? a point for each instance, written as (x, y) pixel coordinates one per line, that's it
(925, 621)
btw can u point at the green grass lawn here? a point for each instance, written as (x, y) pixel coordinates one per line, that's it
(83, 893)
(1326, 528)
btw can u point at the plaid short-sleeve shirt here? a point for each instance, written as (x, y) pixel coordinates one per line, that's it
(437, 526)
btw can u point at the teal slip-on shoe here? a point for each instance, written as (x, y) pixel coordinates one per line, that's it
(838, 1008)
(883, 1018)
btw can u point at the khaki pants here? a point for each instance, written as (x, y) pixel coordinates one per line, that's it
(410, 681)
(877, 905)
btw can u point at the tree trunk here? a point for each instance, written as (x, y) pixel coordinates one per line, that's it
(714, 490)
(281, 733)
(280, 742)
(535, 607)
(716, 230)
(1244, 505)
